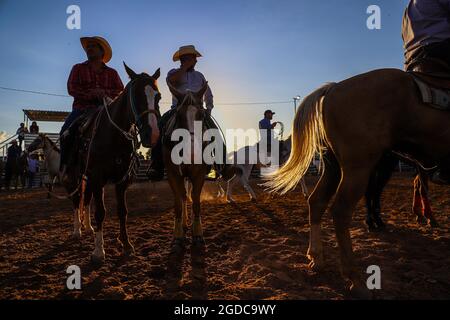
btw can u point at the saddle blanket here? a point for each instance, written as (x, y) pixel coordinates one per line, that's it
(436, 97)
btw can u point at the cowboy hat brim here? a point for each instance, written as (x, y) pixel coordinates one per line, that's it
(102, 43)
(184, 51)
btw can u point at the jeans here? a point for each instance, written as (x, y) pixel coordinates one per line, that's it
(74, 115)
(68, 141)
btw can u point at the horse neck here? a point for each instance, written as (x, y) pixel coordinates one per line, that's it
(48, 147)
(120, 111)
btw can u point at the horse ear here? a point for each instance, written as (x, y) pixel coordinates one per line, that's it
(130, 72)
(157, 74)
(199, 94)
(177, 94)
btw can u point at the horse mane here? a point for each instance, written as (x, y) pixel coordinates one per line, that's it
(188, 99)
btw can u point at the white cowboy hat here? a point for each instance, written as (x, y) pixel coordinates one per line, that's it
(102, 43)
(190, 49)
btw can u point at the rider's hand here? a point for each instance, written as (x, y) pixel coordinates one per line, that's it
(98, 93)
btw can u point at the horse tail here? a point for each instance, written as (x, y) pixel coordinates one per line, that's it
(308, 138)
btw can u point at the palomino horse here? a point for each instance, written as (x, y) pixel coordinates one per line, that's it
(111, 152)
(357, 121)
(378, 180)
(188, 111)
(52, 157)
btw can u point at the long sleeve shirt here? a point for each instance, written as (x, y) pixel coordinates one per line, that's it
(425, 22)
(193, 81)
(83, 79)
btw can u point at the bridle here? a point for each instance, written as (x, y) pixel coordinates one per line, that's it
(137, 124)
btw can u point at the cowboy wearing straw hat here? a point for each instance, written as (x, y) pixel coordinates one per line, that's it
(182, 79)
(89, 82)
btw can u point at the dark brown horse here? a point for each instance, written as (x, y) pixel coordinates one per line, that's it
(188, 111)
(109, 155)
(357, 121)
(383, 171)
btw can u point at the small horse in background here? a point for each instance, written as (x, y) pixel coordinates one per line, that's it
(378, 180)
(52, 157)
(242, 172)
(188, 110)
(107, 145)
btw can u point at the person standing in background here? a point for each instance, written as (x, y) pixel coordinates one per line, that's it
(33, 168)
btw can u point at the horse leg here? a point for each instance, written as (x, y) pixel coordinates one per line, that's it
(417, 201)
(98, 255)
(230, 185)
(378, 180)
(76, 218)
(122, 212)
(197, 230)
(350, 190)
(220, 191)
(426, 207)
(50, 187)
(87, 211)
(177, 185)
(317, 203)
(188, 188)
(76, 224)
(369, 195)
(304, 187)
(245, 182)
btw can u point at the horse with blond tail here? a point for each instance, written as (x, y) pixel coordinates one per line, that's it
(351, 124)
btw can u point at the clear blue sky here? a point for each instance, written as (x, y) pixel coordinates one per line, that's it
(254, 51)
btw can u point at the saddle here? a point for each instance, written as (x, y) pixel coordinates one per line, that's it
(432, 77)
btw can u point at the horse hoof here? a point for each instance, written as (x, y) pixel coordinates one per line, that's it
(421, 220)
(76, 235)
(178, 243)
(433, 223)
(360, 293)
(97, 260)
(198, 241)
(316, 265)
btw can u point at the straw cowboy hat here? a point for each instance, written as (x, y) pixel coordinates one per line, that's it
(102, 43)
(185, 50)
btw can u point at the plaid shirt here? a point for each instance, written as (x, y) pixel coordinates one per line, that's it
(83, 78)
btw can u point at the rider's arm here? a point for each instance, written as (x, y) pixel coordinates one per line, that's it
(208, 98)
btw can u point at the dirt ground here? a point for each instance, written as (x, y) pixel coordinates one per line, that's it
(253, 250)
